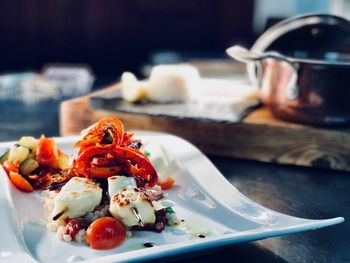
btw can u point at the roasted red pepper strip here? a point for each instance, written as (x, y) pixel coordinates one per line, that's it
(83, 161)
(103, 172)
(91, 162)
(102, 162)
(130, 160)
(103, 159)
(137, 164)
(96, 134)
(116, 127)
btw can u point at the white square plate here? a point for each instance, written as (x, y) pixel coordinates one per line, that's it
(205, 200)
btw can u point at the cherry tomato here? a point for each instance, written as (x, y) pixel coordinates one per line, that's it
(46, 152)
(166, 183)
(21, 183)
(10, 167)
(105, 233)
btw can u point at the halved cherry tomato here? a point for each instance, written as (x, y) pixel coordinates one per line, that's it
(105, 233)
(20, 182)
(166, 183)
(46, 152)
(10, 167)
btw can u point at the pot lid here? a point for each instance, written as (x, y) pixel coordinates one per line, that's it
(313, 36)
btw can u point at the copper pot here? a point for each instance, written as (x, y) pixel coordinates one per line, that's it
(312, 91)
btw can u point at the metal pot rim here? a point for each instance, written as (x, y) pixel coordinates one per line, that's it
(296, 22)
(318, 61)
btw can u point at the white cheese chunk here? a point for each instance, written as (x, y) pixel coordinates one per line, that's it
(132, 89)
(132, 207)
(115, 183)
(77, 197)
(172, 82)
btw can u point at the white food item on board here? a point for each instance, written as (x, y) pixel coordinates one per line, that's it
(132, 89)
(169, 83)
(77, 197)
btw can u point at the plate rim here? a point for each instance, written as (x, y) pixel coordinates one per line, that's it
(195, 245)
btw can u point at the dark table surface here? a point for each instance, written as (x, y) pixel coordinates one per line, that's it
(297, 191)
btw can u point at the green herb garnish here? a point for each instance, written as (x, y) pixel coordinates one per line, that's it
(169, 210)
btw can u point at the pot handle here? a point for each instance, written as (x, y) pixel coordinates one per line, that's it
(246, 56)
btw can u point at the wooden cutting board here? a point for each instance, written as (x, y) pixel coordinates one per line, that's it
(259, 136)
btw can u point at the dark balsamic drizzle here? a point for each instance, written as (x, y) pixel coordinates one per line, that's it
(148, 244)
(202, 236)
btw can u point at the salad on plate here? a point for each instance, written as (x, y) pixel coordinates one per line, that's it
(100, 194)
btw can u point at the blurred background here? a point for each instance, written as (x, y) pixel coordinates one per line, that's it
(98, 40)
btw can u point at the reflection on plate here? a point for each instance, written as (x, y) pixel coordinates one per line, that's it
(214, 213)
